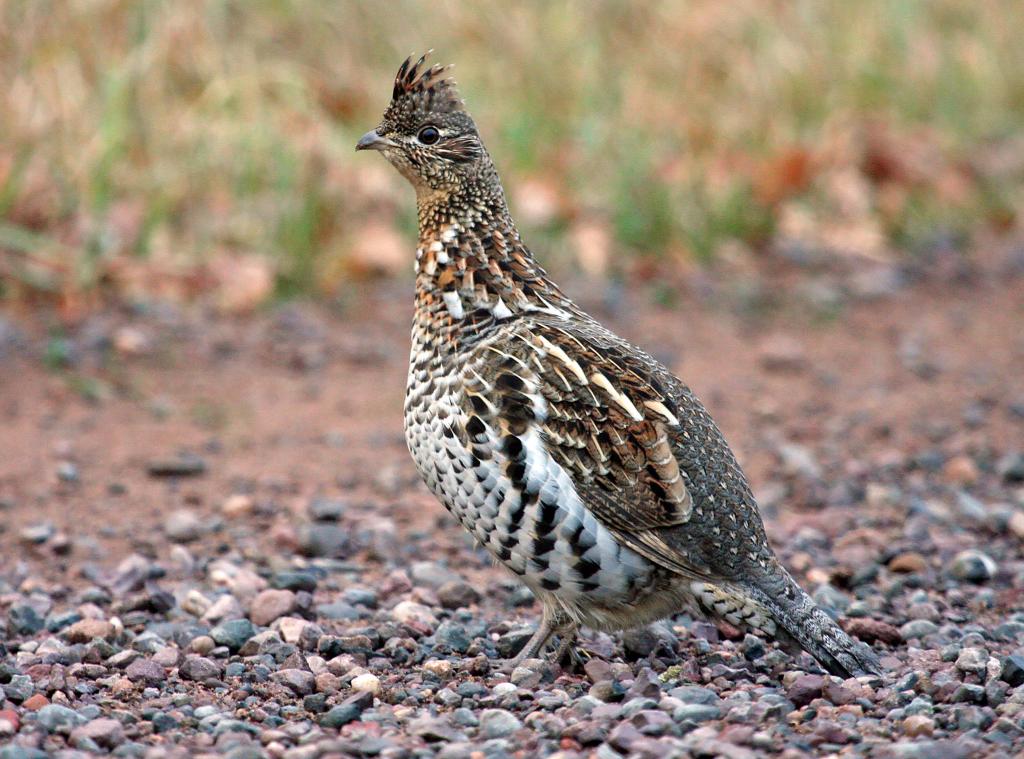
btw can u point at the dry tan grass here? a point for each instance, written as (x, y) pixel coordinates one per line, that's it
(145, 144)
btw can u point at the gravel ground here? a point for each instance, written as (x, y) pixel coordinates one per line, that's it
(213, 542)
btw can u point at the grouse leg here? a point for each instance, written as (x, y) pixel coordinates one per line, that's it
(569, 655)
(551, 623)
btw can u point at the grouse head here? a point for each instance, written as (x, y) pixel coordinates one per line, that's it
(426, 133)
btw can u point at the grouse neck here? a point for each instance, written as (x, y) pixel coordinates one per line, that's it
(473, 270)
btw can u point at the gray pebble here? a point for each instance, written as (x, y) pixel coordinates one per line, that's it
(19, 688)
(23, 619)
(37, 534)
(199, 669)
(430, 574)
(1013, 670)
(103, 732)
(1011, 467)
(22, 752)
(972, 660)
(324, 539)
(457, 594)
(918, 628)
(183, 526)
(233, 633)
(972, 566)
(498, 723)
(183, 465)
(56, 718)
(298, 680)
(296, 580)
(693, 694)
(145, 671)
(326, 509)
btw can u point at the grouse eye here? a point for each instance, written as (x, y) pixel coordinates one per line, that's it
(428, 135)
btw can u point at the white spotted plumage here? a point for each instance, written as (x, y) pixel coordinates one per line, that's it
(580, 462)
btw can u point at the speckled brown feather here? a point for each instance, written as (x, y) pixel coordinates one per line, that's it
(584, 465)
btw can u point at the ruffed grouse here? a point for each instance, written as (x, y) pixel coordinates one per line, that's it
(581, 463)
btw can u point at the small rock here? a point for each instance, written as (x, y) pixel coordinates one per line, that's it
(67, 471)
(104, 732)
(347, 711)
(324, 539)
(498, 723)
(652, 722)
(410, 612)
(501, 689)
(973, 566)
(430, 574)
(196, 603)
(1013, 670)
(34, 703)
(871, 630)
(199, 669)
(753, 647)
(798, 460)
(624, 737)
(183, 526)
(37, 534)
(10, 723)
(237, 505)
(1015, 524)
(453, 636)
(837, 693)
(609, 691)
(167, 657)
(968, 693)
(805, 689)
(908, 563)
(88, 629)
(694, 694)
(233, 633)
(146, 671)
(131, 341)
(366, 683)
(434, 729)
(184, 465)
(326, 509)
(202, 645)
(639, 642)
(1011, 467)
(22, 619)
(19, 688)
(782, 353)
(917, 628)
(327, 683)
(918, 725)
(441, 668)
(972, 659)
(295, 581)
(293, 628)
(525, 678)
(300, 681)
(226, 607)
(646, 685)
(457, 594)
(598, 670)
(960, 470)
(56, 718)
(269, 604)
(696, 713)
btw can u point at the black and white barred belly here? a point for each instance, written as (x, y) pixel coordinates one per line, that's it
(515, 499)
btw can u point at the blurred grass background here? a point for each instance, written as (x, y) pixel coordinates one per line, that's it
(167, 147)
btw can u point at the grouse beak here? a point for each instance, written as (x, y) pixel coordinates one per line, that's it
(373, 141)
